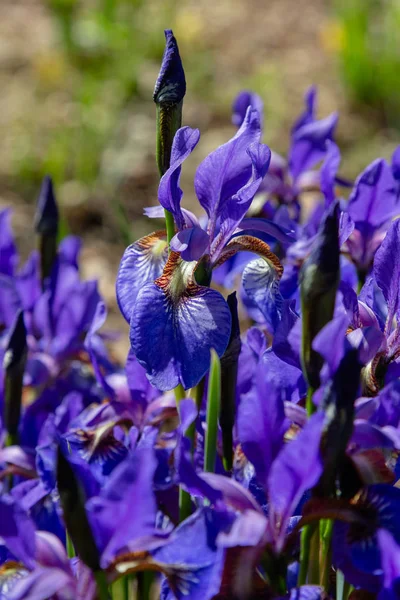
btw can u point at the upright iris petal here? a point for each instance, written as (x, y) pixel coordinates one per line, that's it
(226, 170)
(169, 192)
(141, 263)
(8, 249)
(309, 137)
(241, 103)
(174, 325)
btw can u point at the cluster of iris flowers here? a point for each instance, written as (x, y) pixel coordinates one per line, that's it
(219, 462)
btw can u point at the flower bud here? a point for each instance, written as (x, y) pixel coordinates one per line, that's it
(14, 366)
(319, 279)
(168, 95)
(46, 227)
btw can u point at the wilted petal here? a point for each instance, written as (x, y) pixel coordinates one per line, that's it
(169, 192)
(175, 324)
(141, 263)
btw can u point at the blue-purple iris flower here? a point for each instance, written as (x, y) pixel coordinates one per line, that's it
(181, 316)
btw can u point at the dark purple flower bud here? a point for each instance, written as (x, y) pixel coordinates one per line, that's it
(14, 366)
(46, 226)
(229, 367)
(171, 84)
(319, 279)
(338, 404)
(73, 500)
(168, 95)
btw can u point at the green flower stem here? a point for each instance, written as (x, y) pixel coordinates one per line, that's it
(102, 586)
(343, 587)
(326, 530)
(70, 546)
(169, 225)
(144, 584)
(305, 547)
(179, 393)
(213, 407)
(121, 588)
(185, 505)
(313, 565)
(310, 406)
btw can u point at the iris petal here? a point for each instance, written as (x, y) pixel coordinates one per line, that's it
(141, 263)
(175, 324)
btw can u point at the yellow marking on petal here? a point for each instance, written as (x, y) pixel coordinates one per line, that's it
(159, 247)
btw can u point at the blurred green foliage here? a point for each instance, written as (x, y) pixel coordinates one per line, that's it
(94, 69)
(368, 42)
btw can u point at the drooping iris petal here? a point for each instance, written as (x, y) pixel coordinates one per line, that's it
(8, 249)
(355, 544)
(296, 469)
(141, 263)
(169, 192)
(195, 575)
(374, 199)
(241, 103)
(175, 324)
(386, 270)
(191, 243)
(390, 559)
(261, 424)
(261, 284)
(43, 583)
(226, 170)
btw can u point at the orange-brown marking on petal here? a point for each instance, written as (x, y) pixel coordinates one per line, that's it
(148, 241)
(171, 271)
(251, 244)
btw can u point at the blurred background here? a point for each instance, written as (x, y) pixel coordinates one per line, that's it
(77, 76)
